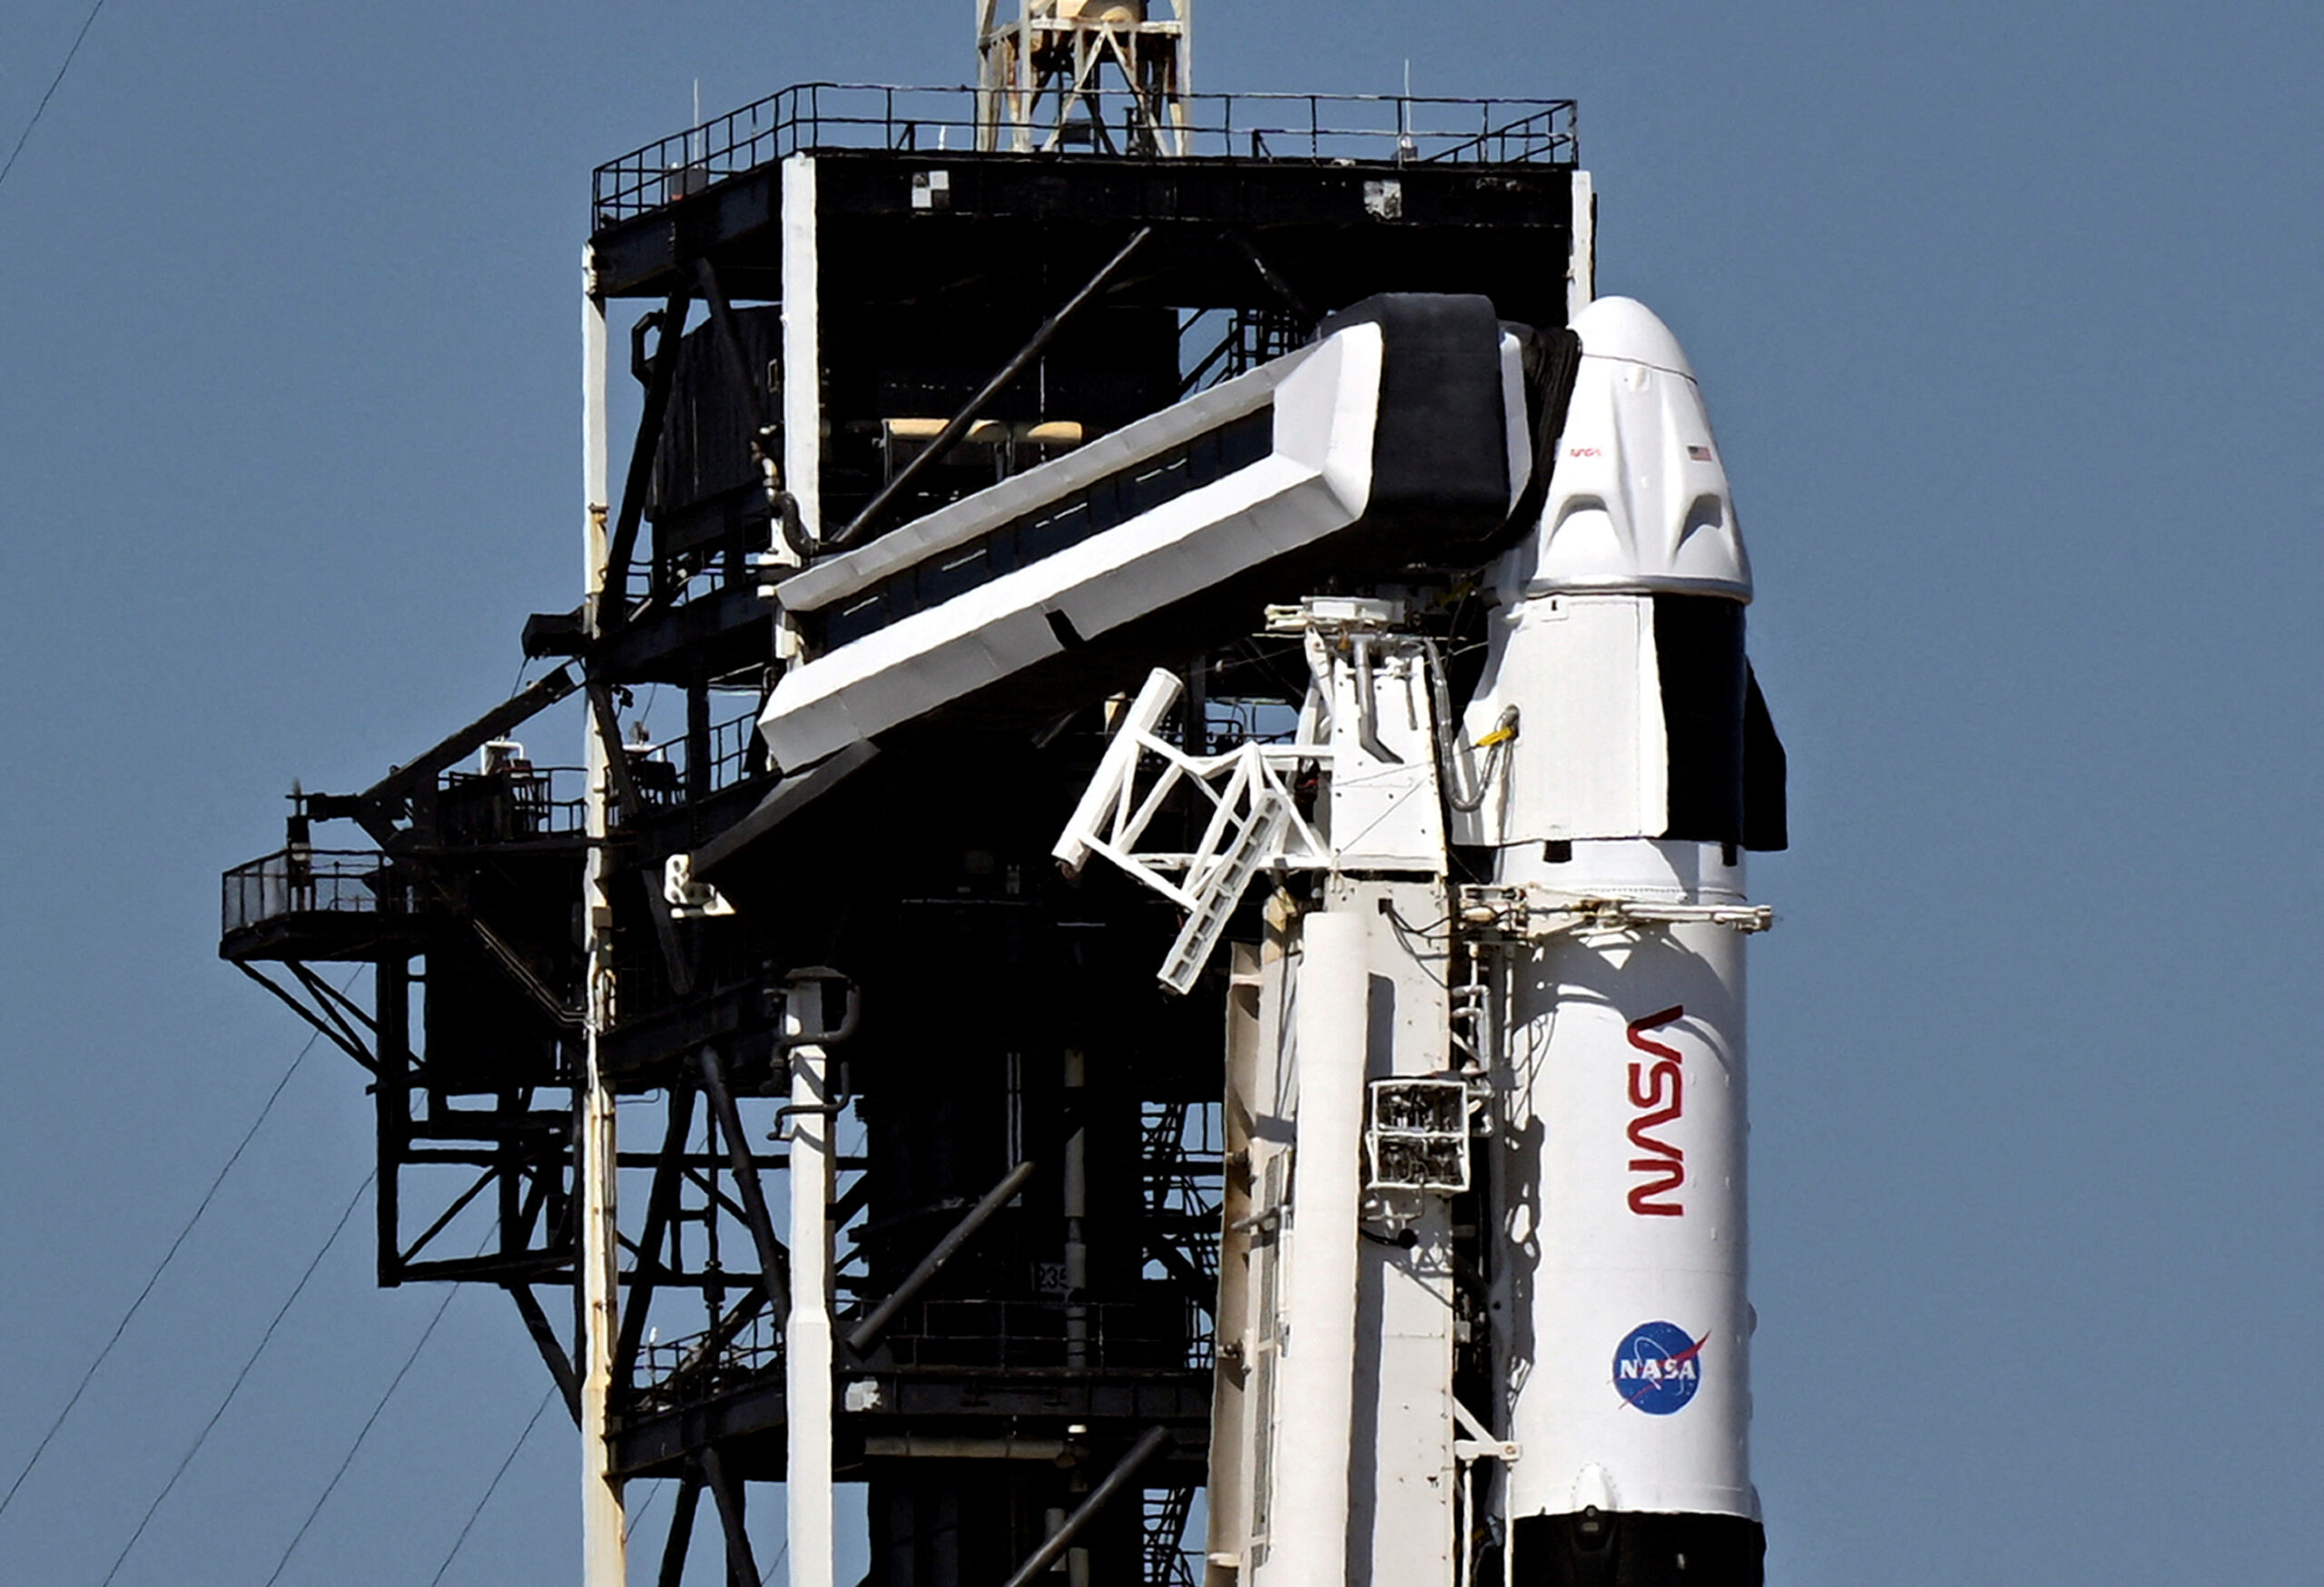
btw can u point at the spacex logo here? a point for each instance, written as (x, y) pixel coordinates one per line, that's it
(1658, 1092)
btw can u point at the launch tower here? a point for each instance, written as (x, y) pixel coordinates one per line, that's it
(1071, 468)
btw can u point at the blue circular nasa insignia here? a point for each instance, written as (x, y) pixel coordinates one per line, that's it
(1658, 1369)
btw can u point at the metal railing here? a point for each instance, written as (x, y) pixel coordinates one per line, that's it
(303, 881)
(733, 757)
(1019, 1334)
(510, 806)
(673, 1373)
(1010, 1334)
(1314, 128)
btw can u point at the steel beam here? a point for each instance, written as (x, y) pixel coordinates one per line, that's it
(659, 1201)
(772, 1258)
(618, 780)
(391, 1107)
(1004, 377)
(861, 1337)
(330, 1028)
(659, 384)
(552, 1348)
(374, 803)
(730, 344)
(1273, 280)
(741, 1566)
(1156, 1441)
(673, 1549)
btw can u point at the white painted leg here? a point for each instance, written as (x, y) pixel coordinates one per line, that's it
(807, 1336)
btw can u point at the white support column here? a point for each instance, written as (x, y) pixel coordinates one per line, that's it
(594, 445)
(807, 1333)
(1581, 270)
(1403, 1524)
(1184, 47)
(987, 110)
(803, 356)
(603, 1562)
(1309, 1546)
(1022, 107)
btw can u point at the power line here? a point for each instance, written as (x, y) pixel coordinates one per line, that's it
(168, 1256)
(492, 1487)
(42, 108)
(450, 1290)
(265, 1339)
(637, 1518)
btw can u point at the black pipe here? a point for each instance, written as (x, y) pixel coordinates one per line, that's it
(1156, 1441)
(860, 1338)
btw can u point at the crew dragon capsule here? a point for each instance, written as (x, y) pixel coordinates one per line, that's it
(1643, 765)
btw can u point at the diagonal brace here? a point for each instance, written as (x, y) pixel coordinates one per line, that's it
(950, 434)
(775, 1258)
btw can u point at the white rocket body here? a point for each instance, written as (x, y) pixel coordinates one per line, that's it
(1538, 1081)
(1622, 1329)
(1628, 1350)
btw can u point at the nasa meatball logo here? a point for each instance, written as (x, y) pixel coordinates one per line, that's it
(1658, 1369)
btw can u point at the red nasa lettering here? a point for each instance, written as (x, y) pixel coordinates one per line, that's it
(1659, 1091)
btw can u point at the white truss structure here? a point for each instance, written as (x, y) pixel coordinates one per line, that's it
(1254, 823)
(1041, 82)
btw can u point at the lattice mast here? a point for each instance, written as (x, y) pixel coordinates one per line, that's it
(1042, 79)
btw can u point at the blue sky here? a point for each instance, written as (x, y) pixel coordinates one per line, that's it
(2008, 317)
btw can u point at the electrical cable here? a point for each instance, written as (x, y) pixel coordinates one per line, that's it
(492, 1487)
(265, 1339)
(635, 1519)
(41, 109)
(153, 1278)
(779, 1555)
(451, 1291)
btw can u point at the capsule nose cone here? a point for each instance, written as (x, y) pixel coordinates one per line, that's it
(1624, 328)
(1639, 499)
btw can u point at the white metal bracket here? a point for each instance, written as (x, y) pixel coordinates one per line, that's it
(1367, 726)
(1254, 823)
(689, 899)
(1535, 913)
(1481, 1445)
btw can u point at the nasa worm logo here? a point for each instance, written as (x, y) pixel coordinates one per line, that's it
(1658, 1369)
(1659, 1093)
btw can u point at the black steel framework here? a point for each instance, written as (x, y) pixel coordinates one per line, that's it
(1010, 1028)
(1311, 127)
